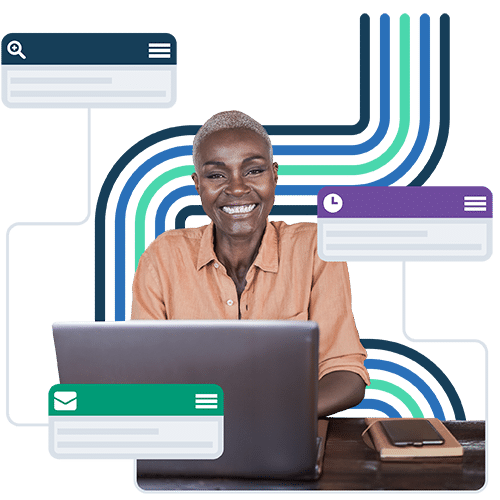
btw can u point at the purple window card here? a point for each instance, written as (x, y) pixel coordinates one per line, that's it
(404, 223)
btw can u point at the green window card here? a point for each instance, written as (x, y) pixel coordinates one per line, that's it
(164, 421)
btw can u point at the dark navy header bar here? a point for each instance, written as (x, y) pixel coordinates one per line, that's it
(89, 48)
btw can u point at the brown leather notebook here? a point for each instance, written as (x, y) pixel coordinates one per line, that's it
(377, 439)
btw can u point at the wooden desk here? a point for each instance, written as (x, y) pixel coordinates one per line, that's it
(350, 465)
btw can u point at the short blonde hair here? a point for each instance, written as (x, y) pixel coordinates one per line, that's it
(229, 120)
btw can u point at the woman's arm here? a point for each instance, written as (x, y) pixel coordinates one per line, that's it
(338, 391)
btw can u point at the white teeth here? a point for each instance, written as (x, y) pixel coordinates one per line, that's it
(238, 209)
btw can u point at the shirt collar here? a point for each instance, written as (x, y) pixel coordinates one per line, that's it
(267, 258)
(206, 253)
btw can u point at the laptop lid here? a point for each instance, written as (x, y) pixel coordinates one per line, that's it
(267, 370)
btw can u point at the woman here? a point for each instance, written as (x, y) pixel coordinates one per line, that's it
(241, 266)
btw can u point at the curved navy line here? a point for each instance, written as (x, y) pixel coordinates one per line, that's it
(376, 404)
(364, 97)
(178, 193)
(189, 190)
(425, 108)
(444, 104)
(102, 202)
(385, 110)
(136, 149)
(190, 210)
(426, 363)
(413, 378)
(184, 213)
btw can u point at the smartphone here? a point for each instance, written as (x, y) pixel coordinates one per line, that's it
(407, 432)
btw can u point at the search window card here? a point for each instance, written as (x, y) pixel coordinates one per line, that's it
(148, 421)
(89, 70)
(398, 223)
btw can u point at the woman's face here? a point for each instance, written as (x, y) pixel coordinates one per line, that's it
(236, 180)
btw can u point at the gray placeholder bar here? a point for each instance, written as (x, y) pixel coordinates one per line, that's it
(87, 93)
(398, 246)
(376, 234)
(60, 81)
(136, 444)
(108, 432)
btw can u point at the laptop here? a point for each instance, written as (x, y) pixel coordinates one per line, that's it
(267, 370)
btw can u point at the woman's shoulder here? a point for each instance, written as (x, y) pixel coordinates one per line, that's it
(303, 230)
(297, 239)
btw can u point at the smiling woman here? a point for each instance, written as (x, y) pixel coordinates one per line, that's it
(236, 179)
(241, 266)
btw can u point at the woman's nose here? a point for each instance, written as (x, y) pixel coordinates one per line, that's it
(236, 186)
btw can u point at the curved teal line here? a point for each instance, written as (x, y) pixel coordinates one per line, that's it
(425, 108)
(412, 378)
(313, 170)
(376, 404)
(145, 201)
(401, 394)
(404, 121)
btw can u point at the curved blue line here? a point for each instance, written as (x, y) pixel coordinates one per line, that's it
(121, 209)
(385, 110)
(102, 204)
(189, 190)
(277, 211)
(375, 404)
(444, 103)
(413, 378)
(167, 202)
(425, 108)
(426, 363)
(178, 193)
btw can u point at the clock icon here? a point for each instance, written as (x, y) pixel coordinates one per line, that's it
(332, 203)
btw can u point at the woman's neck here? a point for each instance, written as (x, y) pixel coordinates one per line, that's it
(237, 255)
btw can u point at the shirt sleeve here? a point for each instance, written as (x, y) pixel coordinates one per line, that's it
(147, 300)
(330, 306)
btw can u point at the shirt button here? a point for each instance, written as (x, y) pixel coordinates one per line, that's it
(229, 302)
(216, 265)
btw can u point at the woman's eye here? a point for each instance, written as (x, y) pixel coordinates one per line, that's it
(255, 171)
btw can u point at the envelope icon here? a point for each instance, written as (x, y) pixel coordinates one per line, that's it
(65, 400)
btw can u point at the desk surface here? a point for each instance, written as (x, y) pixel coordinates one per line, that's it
(350, 465)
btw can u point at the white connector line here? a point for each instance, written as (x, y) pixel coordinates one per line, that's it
(7, 278)
(457, 341)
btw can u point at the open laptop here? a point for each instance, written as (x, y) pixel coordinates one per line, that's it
(267, 370)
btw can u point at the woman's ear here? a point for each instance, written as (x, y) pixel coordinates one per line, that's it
(194, 176)
(275, 172)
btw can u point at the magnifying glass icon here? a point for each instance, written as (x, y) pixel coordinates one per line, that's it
(14, 49)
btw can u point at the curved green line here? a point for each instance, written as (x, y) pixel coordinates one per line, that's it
(399, 393)
(404, 125)
(147, 196)
(404, 121)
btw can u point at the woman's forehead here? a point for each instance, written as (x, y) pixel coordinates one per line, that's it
(232, 143)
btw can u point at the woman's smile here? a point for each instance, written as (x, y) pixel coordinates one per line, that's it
(238, 209)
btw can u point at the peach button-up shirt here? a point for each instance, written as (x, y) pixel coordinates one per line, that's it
(180, 277)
